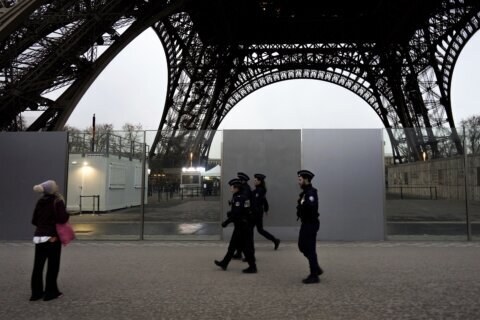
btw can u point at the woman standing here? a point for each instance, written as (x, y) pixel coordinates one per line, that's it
(49, 210)
(260, 205)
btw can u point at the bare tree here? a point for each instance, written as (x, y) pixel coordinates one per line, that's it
(132, 133)
(103, 131)
(472, 134)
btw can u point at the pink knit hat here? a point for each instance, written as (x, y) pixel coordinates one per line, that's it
(48, 187)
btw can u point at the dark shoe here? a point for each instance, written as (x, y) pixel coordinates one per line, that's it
(320, 271)
(35, 298)
(277, 243)
(221, 264)
(311, 279)
(48, 298)
(250, 270)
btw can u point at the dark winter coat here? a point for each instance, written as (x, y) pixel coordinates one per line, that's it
(49, 211)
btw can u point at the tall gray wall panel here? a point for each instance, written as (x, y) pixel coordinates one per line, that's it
(27, 158)
(275, 154)
(348, 164)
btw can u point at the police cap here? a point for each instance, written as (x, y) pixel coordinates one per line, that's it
(242, 176)
(306, 174)
(235, 182)
(259, 176)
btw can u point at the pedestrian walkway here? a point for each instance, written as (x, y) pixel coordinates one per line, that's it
(178, 280)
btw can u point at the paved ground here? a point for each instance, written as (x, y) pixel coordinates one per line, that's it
(178, 280)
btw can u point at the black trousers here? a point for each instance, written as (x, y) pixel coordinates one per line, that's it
(46, 251)
(307, 244)
(258, 220)
(243, 241)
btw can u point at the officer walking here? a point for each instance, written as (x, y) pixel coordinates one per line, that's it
(307, 212)
(239, 215)
(259, 206)
(247, 192)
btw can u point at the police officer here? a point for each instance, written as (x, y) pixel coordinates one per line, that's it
(240, 208)
(307, 212)
(245, 189)
(259, 206)
(244, 178)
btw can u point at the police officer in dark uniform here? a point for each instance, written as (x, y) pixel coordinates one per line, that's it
(307, 212)
(239, 215)
(244, 178)
(245, 189)
(259, 206)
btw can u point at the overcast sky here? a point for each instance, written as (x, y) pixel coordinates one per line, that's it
(133, 88)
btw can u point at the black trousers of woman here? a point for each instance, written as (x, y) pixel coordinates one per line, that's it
(47, 251)
(258, 220)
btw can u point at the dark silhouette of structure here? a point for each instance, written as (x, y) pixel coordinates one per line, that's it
(396, 55)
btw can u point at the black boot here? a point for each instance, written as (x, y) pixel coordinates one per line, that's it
(250, 269)
(311, 279)
(53, 296)
(221, 264)
(320, 271)
(36, 297)
(277, 243)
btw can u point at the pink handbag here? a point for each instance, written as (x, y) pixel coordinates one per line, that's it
(65, 232)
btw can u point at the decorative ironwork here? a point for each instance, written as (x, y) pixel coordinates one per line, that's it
(401, 67)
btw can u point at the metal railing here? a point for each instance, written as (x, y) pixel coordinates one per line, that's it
(427, 193)
(97, 197)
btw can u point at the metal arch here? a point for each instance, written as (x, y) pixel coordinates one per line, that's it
(346, 60)
(203, 77)
(356, 86)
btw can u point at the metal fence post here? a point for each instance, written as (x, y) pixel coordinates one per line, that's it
(144, 160)
(465, 168)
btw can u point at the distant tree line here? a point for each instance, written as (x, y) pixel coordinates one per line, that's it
(130, 137)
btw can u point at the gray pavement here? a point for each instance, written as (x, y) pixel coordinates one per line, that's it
(178, 280)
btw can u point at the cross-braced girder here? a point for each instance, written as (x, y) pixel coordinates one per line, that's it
(56, 46)
(404, 74)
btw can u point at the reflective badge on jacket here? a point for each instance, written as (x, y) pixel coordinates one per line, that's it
(247, 203)
(311, 198)
(237, 204)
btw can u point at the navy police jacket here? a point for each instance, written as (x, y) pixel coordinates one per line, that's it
(259, 201)
(240, 207)
(246, 191)
(307, 205)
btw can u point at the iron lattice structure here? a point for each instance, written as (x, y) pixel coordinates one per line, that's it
(398, 56)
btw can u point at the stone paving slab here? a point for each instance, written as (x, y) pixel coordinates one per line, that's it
(178, 280)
